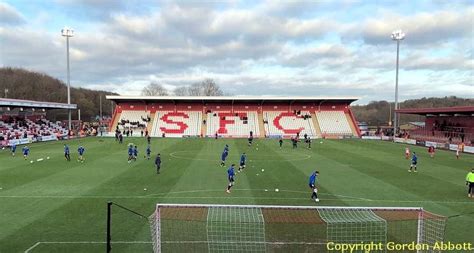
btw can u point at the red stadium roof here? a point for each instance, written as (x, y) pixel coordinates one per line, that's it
(468, 110)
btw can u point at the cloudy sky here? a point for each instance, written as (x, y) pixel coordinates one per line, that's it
(318, 48)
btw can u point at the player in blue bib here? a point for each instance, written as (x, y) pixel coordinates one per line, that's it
(130, 153)
(230, 177)
(13, 149)
(67, 154)
(224, 155)
(26, 152)
(312, 185)
(243, 159)
(81, 151)
(414, 162)
(148, 152)
(135, 153)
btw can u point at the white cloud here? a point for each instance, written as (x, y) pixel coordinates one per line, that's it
(423, 28)
(9, 15)
(269, 48)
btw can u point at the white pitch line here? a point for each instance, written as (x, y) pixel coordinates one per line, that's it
(169, 242)
(86, 242)
(244, 197)
(169, 197)
(173, 154)
(32, 247)
(238, 242)
(163, 196)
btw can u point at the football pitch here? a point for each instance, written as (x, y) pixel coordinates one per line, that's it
(59, 206)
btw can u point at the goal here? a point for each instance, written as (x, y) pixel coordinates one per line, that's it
(260, 228)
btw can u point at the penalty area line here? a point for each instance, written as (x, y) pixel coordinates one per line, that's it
(86, 242)
(172, 195)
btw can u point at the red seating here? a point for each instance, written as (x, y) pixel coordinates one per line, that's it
(277, 119)
(181, 125)
(223, 121)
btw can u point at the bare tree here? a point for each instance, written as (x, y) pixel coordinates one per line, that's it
(181, 91)
(207, 87)
(210, 88)
(195, 90)
(154, 89)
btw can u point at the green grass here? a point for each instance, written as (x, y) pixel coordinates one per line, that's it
(59, 201)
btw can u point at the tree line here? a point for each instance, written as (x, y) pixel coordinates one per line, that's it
(206, 87)
(377, 113)
(24, 84)
(20, 83)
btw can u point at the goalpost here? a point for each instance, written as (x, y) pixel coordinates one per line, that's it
(260, 228)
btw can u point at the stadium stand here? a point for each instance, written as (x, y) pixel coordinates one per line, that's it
(288, 124)
(333, 123)
(24, 121)
(443, 125)
(235, 116)
(177, 124)
(133, 120)
(17, 128)
(232, 124)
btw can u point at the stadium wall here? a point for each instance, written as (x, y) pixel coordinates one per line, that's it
(418, 142)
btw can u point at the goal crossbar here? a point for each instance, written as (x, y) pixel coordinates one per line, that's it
(295, 207)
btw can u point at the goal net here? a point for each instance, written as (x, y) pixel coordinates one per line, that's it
(252, 228)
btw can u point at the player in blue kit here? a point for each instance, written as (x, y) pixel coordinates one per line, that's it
(230, 177)
(148, 152)
(158, 163)
(135, 153)
(67, 154)
(243, 159)
(224, 155)
(312, 185)
(26, 152)
(130, 153)
(81, 151)
(13, 149)
(414, 161)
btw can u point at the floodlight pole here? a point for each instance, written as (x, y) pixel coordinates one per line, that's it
(397, 36)
(395, 121)
(68, 32)
(100, 107)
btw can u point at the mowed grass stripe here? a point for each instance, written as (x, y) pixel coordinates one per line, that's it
(24, 172)
(389, 151)
(419, 188)
(83, 219)
(341, 176)
(65, 183)
(71, 181)
(142, 173)
(204, 172)
(391, 171)
(444, 166)
(297, 174)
